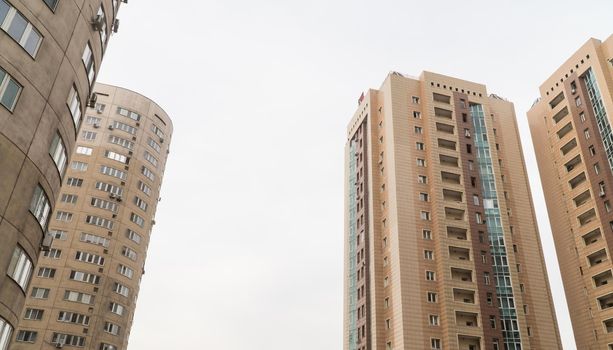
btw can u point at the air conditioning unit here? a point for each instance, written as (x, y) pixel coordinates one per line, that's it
(111, 127)
(98, 22)
(96, 125)
(45, 246)
(161, 140)
(116, 26)
(119, 199)
(59, 345)
(137, 124)
(112, 195)
(124, 1)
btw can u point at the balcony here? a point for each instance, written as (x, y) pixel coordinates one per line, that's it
(565, 130)
(450, 178)
(556, 100)
(608, 325)
(569, 146)
(560, 115)
(603, 278)
(606, 301)
(457, 233)
(587, 217)
(468, 319)
(443, 113)
(464, 296)
(454, 214)
(582, 198)
(446, 144)
(457, 253)
(462, 275)
(592, 237)
(441, 98)
(444, 128)
(577, 180)
(448, 161)
(571, 164)
(469, 343)
(597, 258)
(452, 196)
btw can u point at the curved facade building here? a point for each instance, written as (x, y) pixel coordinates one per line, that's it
(50, 53)
(84, 289)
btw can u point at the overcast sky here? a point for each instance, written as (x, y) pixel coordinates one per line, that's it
(248, 249)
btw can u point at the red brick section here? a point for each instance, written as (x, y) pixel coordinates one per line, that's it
(464, 121)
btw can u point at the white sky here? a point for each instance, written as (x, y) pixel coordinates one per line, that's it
(248, 249)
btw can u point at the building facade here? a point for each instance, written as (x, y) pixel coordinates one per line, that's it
(573, 141)
(50, 54)
(84, 289)
(441, 244)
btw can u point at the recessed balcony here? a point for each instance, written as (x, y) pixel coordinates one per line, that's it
(462, 275)
(457, 233)
(592, 237)
(603, 278)
(597, 258)
(441, 98)
(560, 115)
(448, 161)
(454, 214)
(452, 196)
(450, 178)
(587, 217)
(464, 296)
(606, 301)
(443, 113)
(468, 319)
(571, 164)
(577, 180)
(565, 130)
(444, 128)
(556, 100)
(457, 253)
(582, 198)
(466, 342)
(569, 146)
(608, 325)
(446, 144)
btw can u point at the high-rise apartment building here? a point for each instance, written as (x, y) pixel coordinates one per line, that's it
(50, 53)
(441, 244)
(573, 140)
(84, 289)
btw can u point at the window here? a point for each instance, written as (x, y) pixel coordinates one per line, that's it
(597, 168)
(475, 199)
(79, 166)
(89, 257)
(156, 146)
(46, 272)
(78, 297)
(94, 120)
(428, 255)
(74, 182)
(84, 277)
(462, 103)
(88, 135)
(117, 308)
(140, 203)
(26, 336)
(116, 156)
(88, 63)
(73, 317)
(151, 159)
(93, 239)
(133, 236)
(478, 218)
(419, 130)
(386, 303)
(84, 150)
(40, 293)
(423, 197)
(57, 151)
(124, 127)
(422, 179)
(469, 148)
(431, 297)
(143, 187)
(148, 173)
(53, 253)
(20, 268)
(435, 344)
(63, 216)
(104, 204)
(98, 221)
(388, 324)
(102, 30)
(111, 328)
(102, 186)
(421, 162)
(107, 170)
(415, 99)
(578, 101)
(68, 339)
(128, 114)
(156, 130)
(592, 150)
(601, 189)
(420, 146)
(386, 281)
(430, 276)
(126, 271)
(40, 207)
(121, 142)
(74, 105)
(416, 115)
(10, 89)
(105, 346)
(425, 215)
(434, 321)
(121, 289)
(128, 253)
(18, 28)
(427, 234)
(586, 132)
(486, 278)
(493, 321)
(30, 314)
(137, 220)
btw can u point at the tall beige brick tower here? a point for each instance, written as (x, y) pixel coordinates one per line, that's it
(84, 289)
(573, 140)
(441, 244)
(50, 53)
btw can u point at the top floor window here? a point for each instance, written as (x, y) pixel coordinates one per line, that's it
(18, 28)
(51, 3)
(128, 114)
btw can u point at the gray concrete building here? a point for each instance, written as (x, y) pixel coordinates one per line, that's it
(50, 53)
